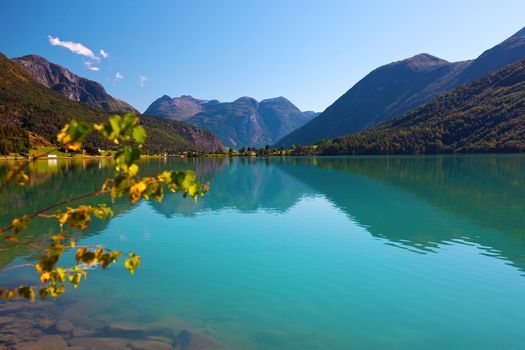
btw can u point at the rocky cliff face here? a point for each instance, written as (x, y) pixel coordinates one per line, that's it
(399, 87)
(243, 122)
(71, 85)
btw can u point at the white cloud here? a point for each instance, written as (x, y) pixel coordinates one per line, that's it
(77, 48)
(104, 53)
(118, 77)
(89, 65)
(142, 80)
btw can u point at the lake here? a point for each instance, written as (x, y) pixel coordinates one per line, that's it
(296, 253)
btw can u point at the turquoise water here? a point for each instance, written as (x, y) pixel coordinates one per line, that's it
(313, 253)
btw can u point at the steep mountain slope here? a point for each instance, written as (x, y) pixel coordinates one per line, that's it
(487, 115)
(243, 122)
(236, 123)
(30, 110)
(509, 51)
(399, 87)
(71, 85)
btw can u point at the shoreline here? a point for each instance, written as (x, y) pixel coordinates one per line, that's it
(81, 157)
(214, 155)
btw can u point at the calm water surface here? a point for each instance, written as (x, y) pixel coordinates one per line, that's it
(310, 253)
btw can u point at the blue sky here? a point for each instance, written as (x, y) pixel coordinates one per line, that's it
(308, 51)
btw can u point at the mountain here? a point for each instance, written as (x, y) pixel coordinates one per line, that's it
(487, 115)
(178, 108)
(399, 87)
(32, 114)
(71, 85)
(282, 117)
(243, 122)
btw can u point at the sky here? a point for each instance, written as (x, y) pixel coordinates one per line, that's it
(310, 52)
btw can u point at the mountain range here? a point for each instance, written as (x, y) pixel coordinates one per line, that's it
(32, 112)
(243, 122)
(396, 88)
(422, 104)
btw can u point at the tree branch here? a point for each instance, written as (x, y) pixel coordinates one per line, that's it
(16, 267)
(56, 205)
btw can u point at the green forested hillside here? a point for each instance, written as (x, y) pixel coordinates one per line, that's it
(28, 107)
(487, 115)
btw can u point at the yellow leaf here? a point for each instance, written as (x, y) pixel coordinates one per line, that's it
(45, 277)
(74, 146)
(10, 294)
(136, 190)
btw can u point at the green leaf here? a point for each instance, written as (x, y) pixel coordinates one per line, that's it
(103, 212)
(74, 133)
(139, 134)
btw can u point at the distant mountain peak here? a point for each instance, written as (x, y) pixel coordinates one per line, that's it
(279, 99)
(176, 108)
(165, 97)
(247, 100)
(424, 60)
(190, 98)
(34, 58)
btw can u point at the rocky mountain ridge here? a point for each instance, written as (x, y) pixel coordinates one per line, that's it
(72, 86)
(243, 122)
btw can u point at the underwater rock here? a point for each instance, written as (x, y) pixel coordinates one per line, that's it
(46, 323)
(87, 323)
(54, 342)
(150, 345)
(126, 330)
(100, 343)
(64, 326)
(47, 342)
(191, 340)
